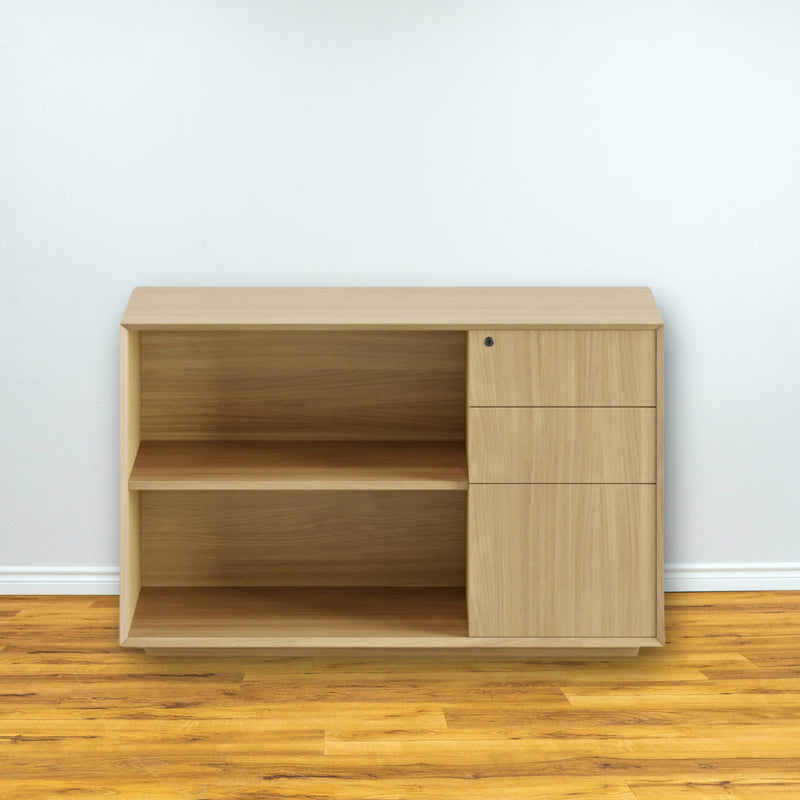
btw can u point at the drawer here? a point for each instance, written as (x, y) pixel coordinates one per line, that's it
(562, 560)
(562, 368)
(562, 445)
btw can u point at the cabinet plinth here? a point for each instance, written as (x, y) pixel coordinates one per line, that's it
(391, 471)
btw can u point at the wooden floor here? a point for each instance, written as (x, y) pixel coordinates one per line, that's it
(715, 714)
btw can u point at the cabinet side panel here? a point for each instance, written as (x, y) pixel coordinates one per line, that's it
(660, 627)
(561, 560)
(129, 502)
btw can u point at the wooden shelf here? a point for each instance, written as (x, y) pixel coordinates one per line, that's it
(296, 616)
(237, 621)
(300, 465)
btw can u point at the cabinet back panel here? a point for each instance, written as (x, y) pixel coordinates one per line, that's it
(303, 385)
(299, 538)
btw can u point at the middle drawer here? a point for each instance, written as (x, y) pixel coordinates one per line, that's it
(562, 445)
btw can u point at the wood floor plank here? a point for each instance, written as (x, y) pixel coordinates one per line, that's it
(734, 601)
(680, 657)
(722, 790)
(22, 661)
(756, 673)
(345, 689)
(722, 746)
(687, 702)
(691, 791)
(109, 769)
(458, 788)
(63, 746)
(453, 766)
(776, 658)
(368, 716)
(585, 720)
(765, 791)
(537, 730)
(542, 672)
(120, 788)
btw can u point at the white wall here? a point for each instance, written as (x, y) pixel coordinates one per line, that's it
(409, 142)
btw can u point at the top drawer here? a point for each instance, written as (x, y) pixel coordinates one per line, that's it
(562, 368)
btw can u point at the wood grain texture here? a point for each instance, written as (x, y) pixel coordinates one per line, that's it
(296, 538)
(562, 445)
(287, 617)
(300, 465)
(303, 385)
(702, 717)
(561, 368)
(561, 560)
(660, 484)
(430, 308)
(332, 618)
(129, 501)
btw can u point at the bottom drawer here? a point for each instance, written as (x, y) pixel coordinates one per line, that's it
(561, 560)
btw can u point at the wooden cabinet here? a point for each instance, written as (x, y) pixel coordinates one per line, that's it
(391, 470)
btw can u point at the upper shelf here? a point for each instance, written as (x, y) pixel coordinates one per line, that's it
(300, 465)
(354, 308)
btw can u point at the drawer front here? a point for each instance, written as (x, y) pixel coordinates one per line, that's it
(562, 368)
(562, 560)
(562, 445)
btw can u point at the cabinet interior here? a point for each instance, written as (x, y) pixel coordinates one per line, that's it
(275, 463)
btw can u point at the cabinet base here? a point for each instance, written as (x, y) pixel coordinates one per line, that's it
(511, 652)
(359, 621)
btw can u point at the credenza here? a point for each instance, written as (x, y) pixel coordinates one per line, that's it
(391, 470)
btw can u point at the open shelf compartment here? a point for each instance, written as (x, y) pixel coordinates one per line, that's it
(335, 620)
(294, 488)
(293, 617)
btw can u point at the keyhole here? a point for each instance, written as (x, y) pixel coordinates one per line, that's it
(488, 341)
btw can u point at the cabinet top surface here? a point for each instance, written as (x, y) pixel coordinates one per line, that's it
(430, 308)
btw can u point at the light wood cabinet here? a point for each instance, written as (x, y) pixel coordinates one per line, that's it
(391, 470)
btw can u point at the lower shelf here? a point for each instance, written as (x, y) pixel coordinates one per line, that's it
(374, 620)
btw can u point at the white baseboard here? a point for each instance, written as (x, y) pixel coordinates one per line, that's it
(59, 580)
(756, 576)
(677, 578)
